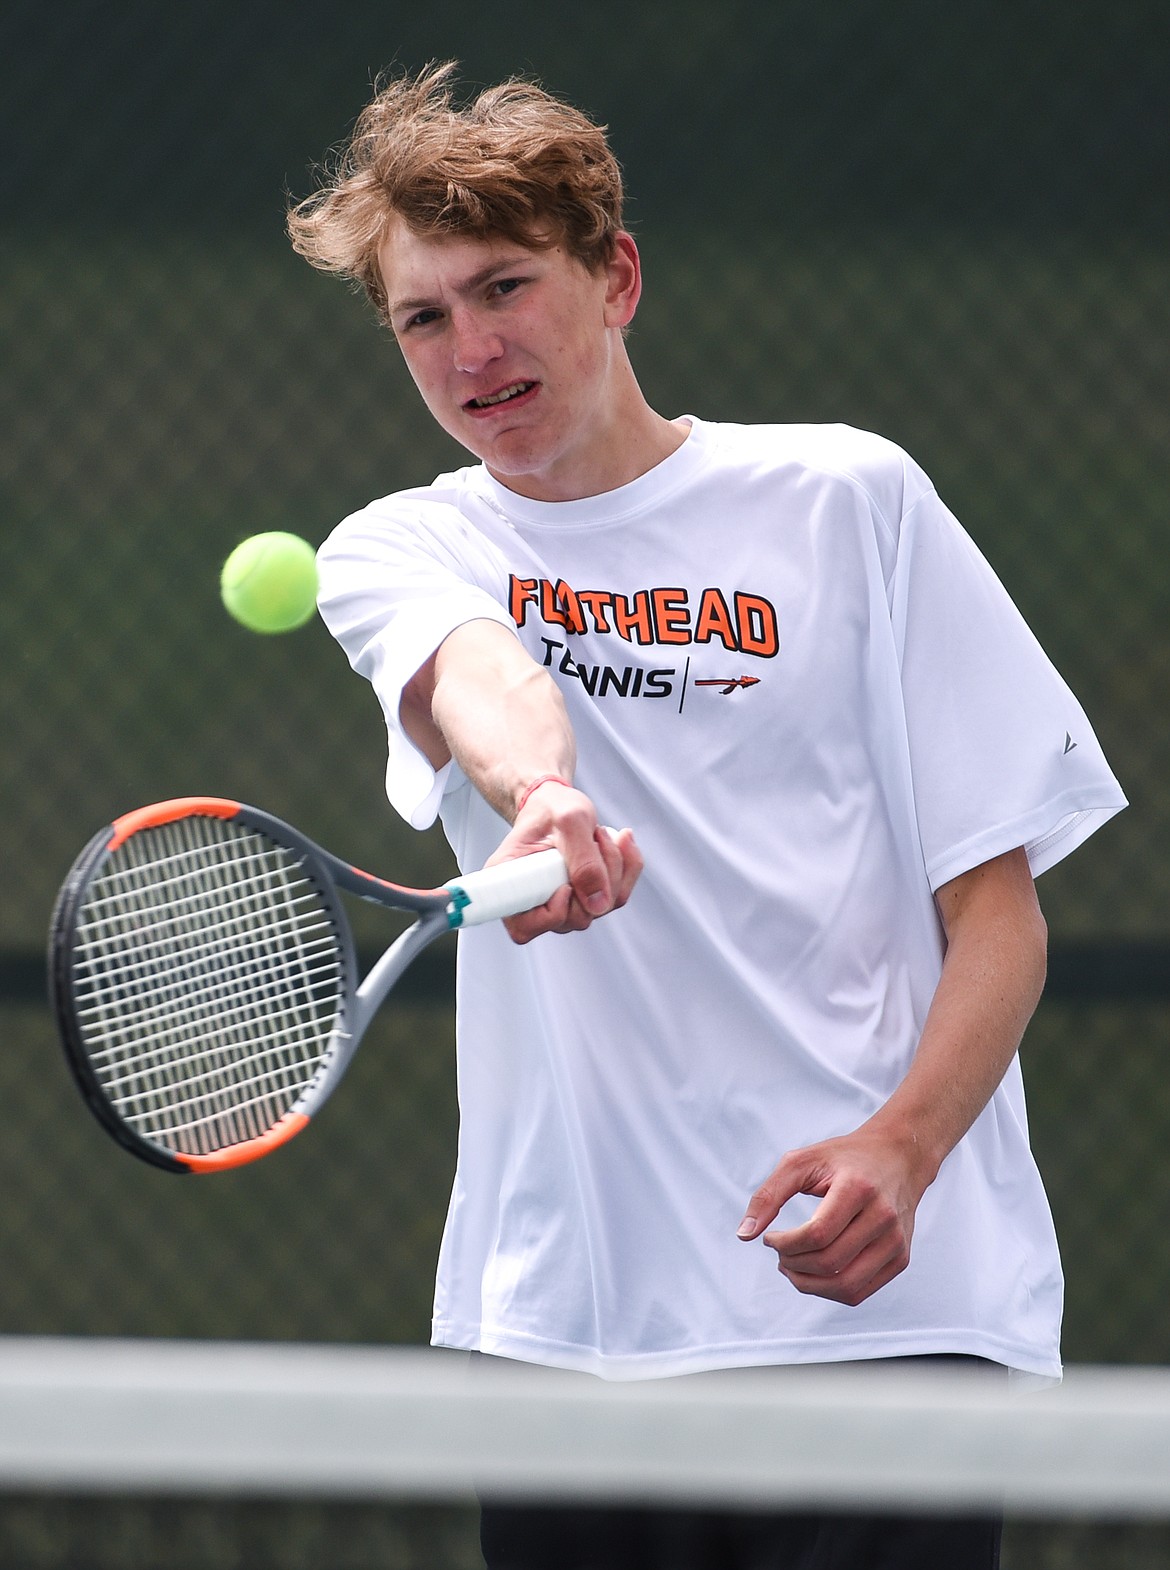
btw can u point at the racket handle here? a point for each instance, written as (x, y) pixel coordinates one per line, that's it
(507, 889)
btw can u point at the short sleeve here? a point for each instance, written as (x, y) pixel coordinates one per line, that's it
(1001, 752)
(395, 580)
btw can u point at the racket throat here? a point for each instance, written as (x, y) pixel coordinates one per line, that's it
(385, 972)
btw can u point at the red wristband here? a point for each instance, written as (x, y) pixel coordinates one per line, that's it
(541, 779)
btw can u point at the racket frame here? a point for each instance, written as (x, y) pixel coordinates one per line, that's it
(463, 901)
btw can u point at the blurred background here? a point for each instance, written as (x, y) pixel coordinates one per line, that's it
(944, 223)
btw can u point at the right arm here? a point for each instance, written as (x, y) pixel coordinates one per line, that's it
(482, 700)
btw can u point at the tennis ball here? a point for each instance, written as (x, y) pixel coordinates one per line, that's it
(269, 582)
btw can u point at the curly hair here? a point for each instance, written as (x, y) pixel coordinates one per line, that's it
(515, 164)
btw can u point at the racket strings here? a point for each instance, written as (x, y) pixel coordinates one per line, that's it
(208, 979)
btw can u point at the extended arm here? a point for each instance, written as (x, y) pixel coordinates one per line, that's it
(870, 1182)
(484, 701)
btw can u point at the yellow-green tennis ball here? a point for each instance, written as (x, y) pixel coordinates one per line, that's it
(269, 582)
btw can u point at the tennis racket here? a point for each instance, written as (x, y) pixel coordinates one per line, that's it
(203, 975)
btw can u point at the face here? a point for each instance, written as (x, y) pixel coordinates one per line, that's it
(517, 353)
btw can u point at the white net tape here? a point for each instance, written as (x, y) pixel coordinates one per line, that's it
(365, 1423)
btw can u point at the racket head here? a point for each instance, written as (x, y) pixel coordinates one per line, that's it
(203, 976)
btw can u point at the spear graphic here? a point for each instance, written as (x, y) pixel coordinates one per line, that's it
(728, 684)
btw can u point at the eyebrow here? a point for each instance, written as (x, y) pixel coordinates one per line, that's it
(506, 264)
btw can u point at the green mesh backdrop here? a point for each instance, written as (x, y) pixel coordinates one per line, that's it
(946, 223)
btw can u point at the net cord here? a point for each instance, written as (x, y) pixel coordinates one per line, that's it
(160, 1417)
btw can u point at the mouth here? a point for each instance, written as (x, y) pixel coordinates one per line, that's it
(502, 397)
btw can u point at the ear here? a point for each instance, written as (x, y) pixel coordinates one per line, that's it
(623, 282)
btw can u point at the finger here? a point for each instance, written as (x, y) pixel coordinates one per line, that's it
(561, 913)
(591, 869)
(873, 1269)
(839, 1252)
(844, 1200)
(611, 854)
(594, 868)
(623, 862)
(805, 1171)
(765, 1204)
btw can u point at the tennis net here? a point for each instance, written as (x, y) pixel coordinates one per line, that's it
(360, 1429)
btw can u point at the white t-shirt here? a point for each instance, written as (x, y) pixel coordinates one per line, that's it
(793, 674)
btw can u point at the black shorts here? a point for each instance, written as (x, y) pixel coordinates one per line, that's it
(597, 1537)
(589, 1538)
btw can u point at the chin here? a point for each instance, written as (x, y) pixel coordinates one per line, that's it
(514, 459)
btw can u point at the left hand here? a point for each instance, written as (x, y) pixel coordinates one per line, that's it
(870, 1182)
(859, 1236)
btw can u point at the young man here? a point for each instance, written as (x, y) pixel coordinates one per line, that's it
(774, 652)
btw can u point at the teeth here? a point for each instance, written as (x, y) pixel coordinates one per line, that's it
(502, 397)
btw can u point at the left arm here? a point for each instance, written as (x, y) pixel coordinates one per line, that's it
(870, 1182)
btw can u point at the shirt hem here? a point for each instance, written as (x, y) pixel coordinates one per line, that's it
(1029, 1362)
(1048, 833)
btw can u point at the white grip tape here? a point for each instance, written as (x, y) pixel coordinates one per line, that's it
(507, 889)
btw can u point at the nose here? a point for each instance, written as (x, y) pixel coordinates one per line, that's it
(474, 343)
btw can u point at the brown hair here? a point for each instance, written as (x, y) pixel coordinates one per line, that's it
(515, 163)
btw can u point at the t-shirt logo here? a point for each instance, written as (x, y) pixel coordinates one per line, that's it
(743, 624)
(727, 687)
(738, 622)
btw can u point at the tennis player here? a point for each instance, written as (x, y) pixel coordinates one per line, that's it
(765, 1107)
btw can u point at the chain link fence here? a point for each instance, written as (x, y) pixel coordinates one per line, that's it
(947, 224)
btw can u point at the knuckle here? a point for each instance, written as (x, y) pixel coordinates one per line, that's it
(885, 1215)
(818, 1234)
(575, 814)
(864, 1190)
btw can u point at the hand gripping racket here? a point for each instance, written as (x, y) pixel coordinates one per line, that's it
(203, 976)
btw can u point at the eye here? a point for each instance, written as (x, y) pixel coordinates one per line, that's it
(420, 319)
(506, 285)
